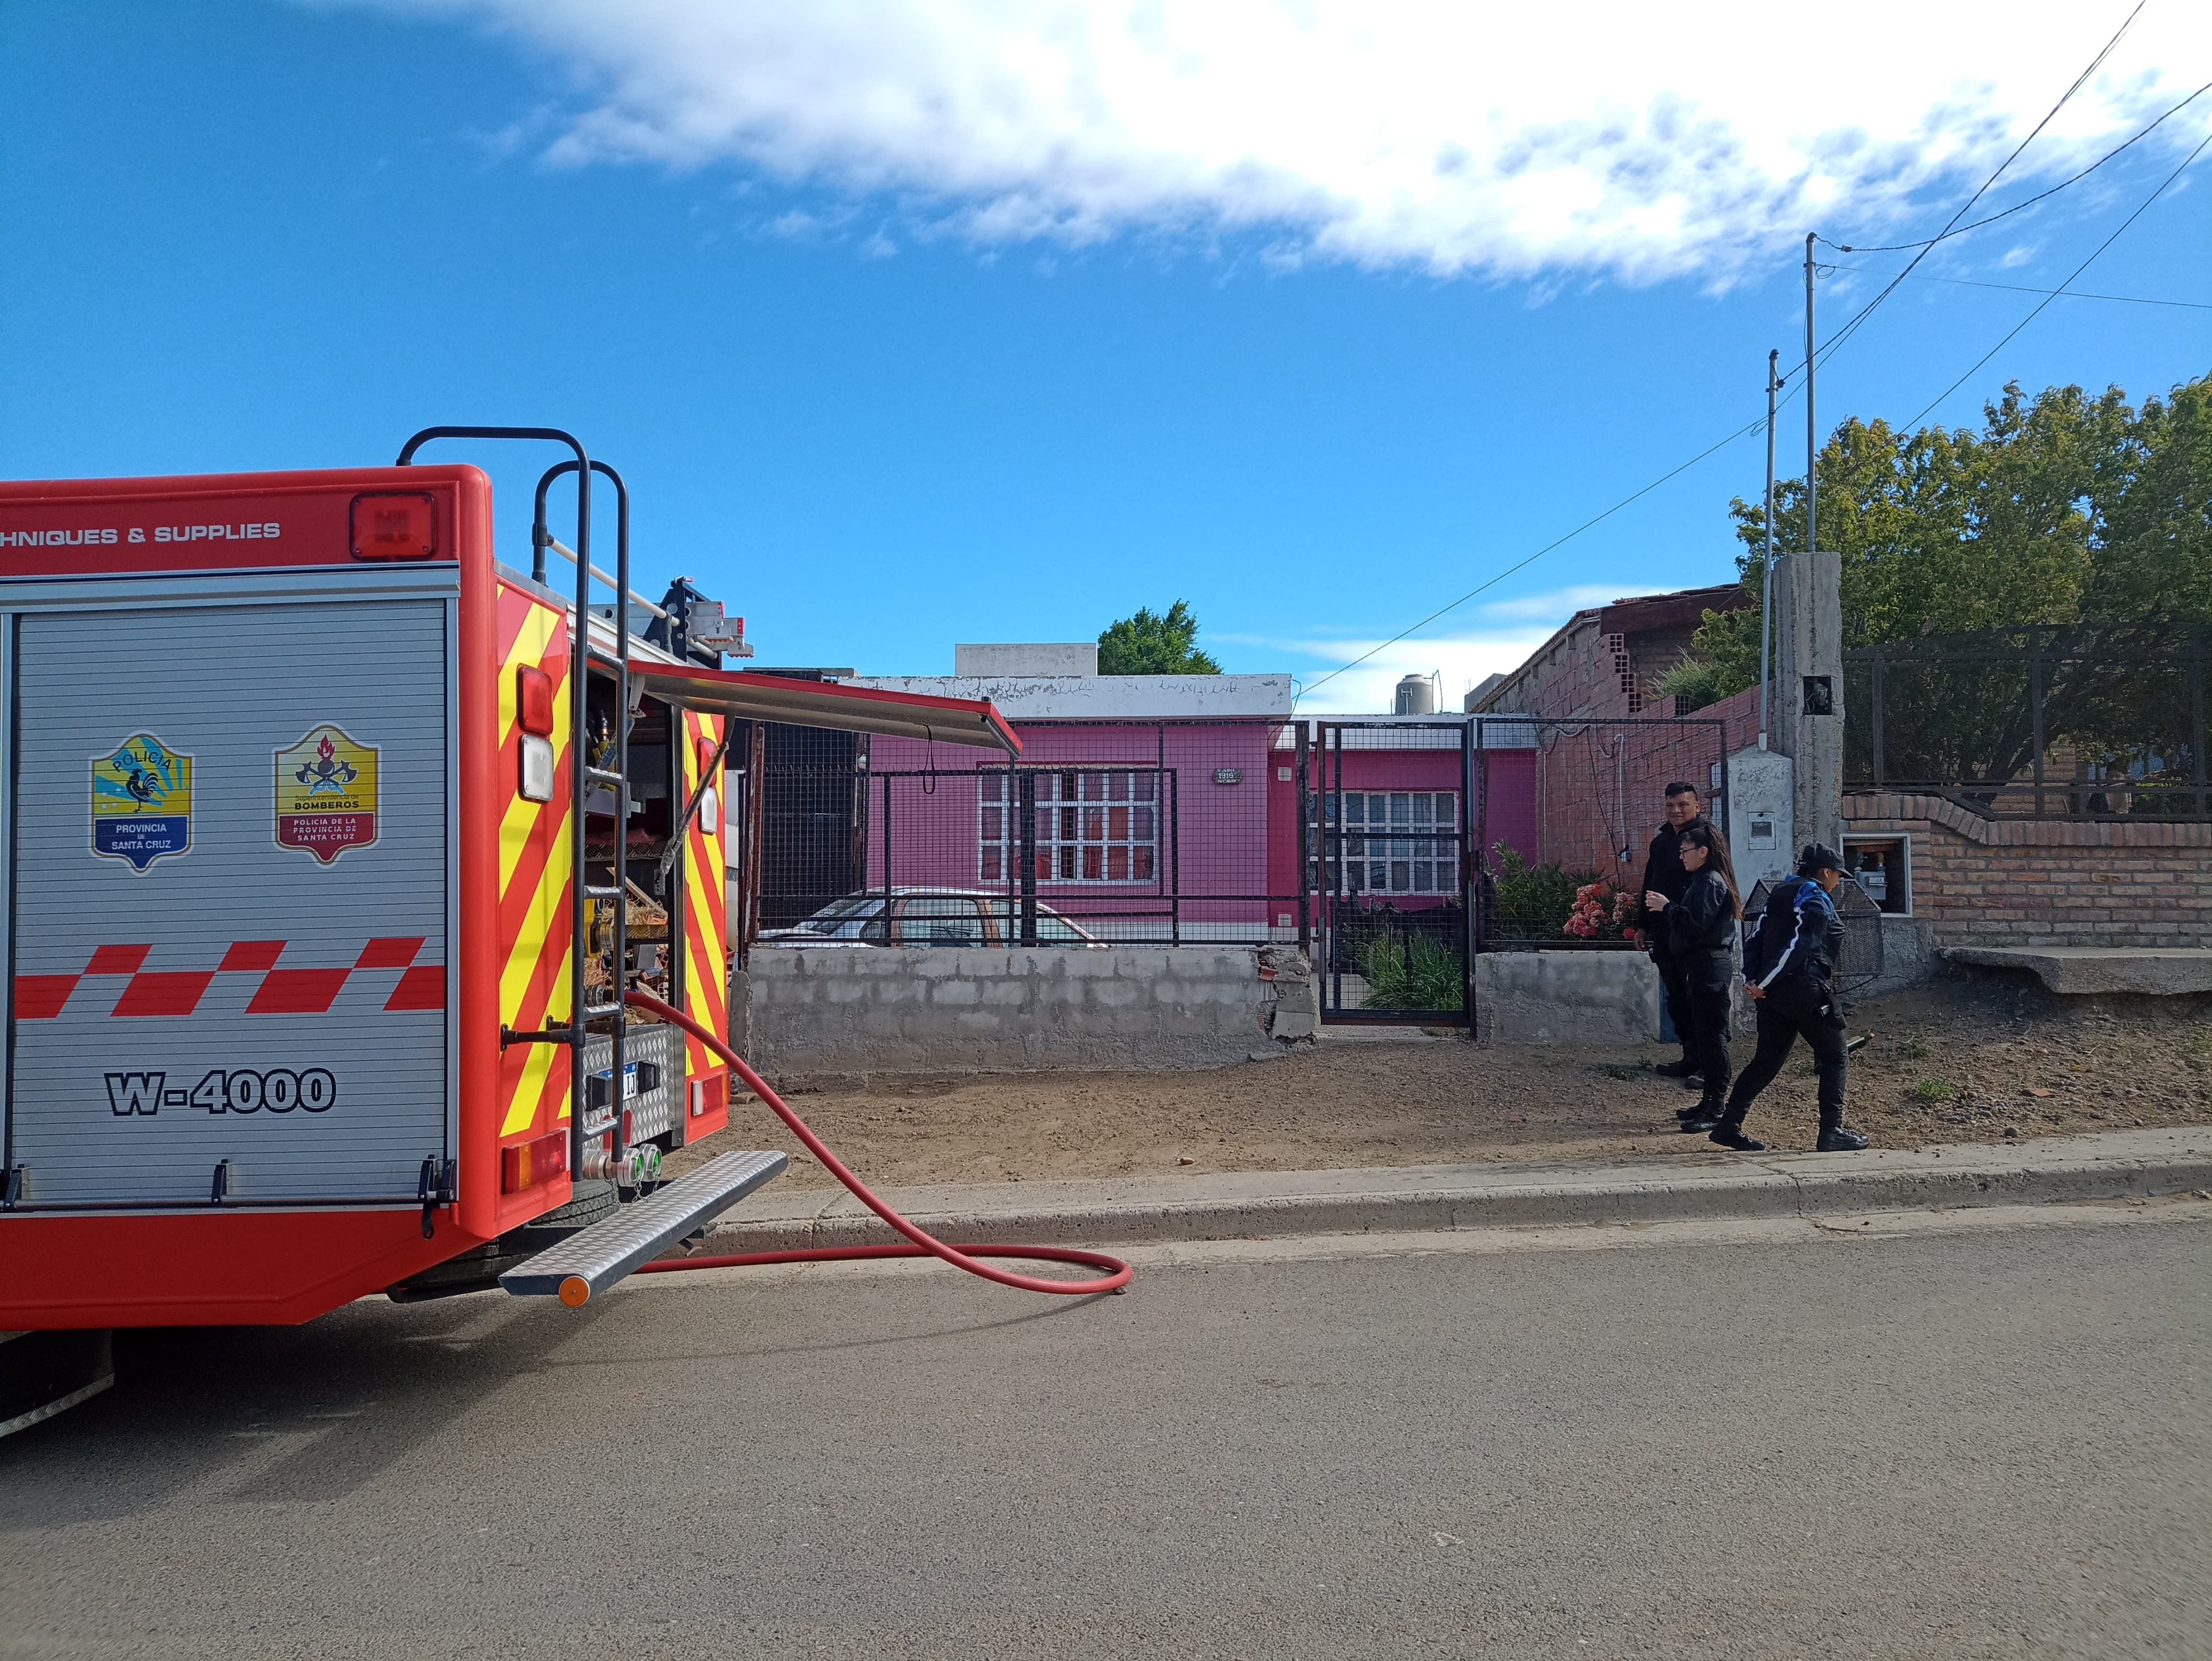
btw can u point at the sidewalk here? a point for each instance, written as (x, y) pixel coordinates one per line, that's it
(2115, 1164)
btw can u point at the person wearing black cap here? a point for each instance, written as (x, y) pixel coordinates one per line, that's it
(1788, 970)
(1665, 881)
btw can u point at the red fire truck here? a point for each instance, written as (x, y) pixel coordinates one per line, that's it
(331, 844)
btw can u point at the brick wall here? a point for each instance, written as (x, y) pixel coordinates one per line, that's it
(2008, 882)
(1601, 785)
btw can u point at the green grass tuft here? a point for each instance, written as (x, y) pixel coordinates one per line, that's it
(1410, 972)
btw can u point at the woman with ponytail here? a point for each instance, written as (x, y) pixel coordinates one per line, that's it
(1701, 928)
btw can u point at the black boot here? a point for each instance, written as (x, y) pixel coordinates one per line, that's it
(1729, 1132)
(1682, 1069)
(1705, 1116)
(1836, 1136)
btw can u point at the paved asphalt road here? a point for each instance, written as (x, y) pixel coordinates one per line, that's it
(1962, 1446)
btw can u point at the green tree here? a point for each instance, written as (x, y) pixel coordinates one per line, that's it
(1150, 644)
(2061, 509)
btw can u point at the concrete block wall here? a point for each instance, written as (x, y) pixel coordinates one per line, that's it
(1570, 998)
(828, 1009)
(2051, 882)
(1908, 958)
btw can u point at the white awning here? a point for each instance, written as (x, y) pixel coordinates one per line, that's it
(750, 695)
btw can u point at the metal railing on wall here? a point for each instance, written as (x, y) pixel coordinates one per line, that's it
(2076, 721)
(1136, 832)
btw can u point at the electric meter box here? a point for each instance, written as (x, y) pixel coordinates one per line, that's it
(1760, 833)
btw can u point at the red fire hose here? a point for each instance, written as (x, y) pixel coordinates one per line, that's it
(960, 1256)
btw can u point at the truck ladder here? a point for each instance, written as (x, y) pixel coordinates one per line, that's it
(586, 776)
(585, 1121)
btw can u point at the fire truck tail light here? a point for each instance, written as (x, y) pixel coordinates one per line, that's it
(530, 1164)
(533, 701)
(536, 783)
(395, 525)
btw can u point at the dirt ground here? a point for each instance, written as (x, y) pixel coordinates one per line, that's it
(1959, 1060)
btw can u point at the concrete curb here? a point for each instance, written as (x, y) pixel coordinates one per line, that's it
(2118, 1164)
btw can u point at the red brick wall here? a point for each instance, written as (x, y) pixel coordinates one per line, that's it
(2005, 882)
(1601, 784)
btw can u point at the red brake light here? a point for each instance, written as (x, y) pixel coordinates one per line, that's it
(533, 700)
(395, 526)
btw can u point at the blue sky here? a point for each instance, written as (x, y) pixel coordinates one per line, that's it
(895, 351)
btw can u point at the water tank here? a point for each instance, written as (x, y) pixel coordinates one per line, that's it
(1416, 695)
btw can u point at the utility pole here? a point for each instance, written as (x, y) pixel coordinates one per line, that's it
(1808, 644)
(1766, 578)
(1812, 429)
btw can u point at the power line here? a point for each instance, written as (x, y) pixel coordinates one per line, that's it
(2064, 98)
(2062, 287)
(1821, 354)
(2016, 288)
(1901, 247)
(1557, 542)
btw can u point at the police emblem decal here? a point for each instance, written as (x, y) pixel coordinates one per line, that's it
(326, 794)
(142, 802)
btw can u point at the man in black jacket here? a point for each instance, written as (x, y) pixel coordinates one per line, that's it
(1664, 873)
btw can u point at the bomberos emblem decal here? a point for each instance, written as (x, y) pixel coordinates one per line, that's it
(326, 791)
(142, 801)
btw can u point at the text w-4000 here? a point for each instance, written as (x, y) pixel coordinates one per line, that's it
(226, 1090)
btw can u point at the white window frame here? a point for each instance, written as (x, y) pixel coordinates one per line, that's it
(1065, 825)
(1403, 859)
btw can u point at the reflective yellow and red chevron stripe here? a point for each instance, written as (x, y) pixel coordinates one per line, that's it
(535, 862)
(706, 914)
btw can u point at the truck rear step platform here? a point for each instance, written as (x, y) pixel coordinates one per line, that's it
(589, 1261)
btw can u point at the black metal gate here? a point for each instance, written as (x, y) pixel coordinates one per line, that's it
(1386, 838)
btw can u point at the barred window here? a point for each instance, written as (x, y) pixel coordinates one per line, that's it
(1394, 842)
(1092, 825)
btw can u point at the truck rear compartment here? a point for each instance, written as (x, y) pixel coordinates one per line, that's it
(240, 1006)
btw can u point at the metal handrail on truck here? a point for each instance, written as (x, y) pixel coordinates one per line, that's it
(583, 893)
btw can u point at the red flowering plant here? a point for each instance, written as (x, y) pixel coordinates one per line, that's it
(1602, 912)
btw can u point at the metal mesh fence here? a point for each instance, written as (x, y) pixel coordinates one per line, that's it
(1386, 832)
(1152, 832)
(813, 814)
(1563, 815)
(1391, 850)
(2086, 721)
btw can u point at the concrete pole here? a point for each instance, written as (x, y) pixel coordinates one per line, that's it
(1767, 583)
(1812, 428)
(1809, 675)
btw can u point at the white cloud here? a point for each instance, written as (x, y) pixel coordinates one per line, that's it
(1638, 140)
(1463, 659)
(1557, 605)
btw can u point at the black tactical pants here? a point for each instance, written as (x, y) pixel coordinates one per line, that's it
(1784, 1017)
(1710, 1012)
(1681, 1006)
